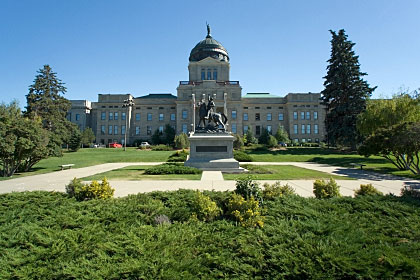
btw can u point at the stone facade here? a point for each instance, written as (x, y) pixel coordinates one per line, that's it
(300, 114)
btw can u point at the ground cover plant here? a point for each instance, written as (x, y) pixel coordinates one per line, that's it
(281, 172)
(47, 235)
(171, 168)
(178, 156)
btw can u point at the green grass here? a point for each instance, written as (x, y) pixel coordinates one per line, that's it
(136, 172)
(90, 156)
(281, 172)
(49, 236)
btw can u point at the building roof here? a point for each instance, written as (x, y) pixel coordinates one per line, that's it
(260, 95)
(158, 95)
(209, 47)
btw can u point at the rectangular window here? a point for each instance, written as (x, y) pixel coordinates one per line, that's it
(295, 115)
(245, 116)
(184, 128)
(115, 129)
(116, 116)
(77, 117)
(308, 129)
(111, 116)
(281, 117)
(309, 140)
(103, 116)
(214, 74)
(303, 129)
(208, 74)
(269, 128)
(161, 117)
(184, 114)
(137, 130)
(123, 116)
(315, 115)
(295, 129)
(245, 128)
(268, 116)
(149, 116)
(234, 128)
(137, 116)
(315, 128)
(161, 129)
(123, 129)
(308, 115)
(172, 116)
(257, 116)
(203, 74)
(316, 140)
(102, 129)
(296, 140)
(149, 130)
(234, 115)
(303, 140)
(110, 130)
(257, 130)
(302, 115)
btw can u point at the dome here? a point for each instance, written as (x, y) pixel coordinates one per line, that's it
(209, 47)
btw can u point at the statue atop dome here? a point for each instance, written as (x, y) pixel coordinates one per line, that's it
(208, 30)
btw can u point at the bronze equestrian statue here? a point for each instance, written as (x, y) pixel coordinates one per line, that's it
(207, 113)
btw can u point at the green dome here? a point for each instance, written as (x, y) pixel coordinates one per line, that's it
(209, 47)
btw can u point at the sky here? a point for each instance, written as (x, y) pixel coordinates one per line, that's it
(141, 47)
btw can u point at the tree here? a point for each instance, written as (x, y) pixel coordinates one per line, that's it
(75, 139)
(345, 92)
(44, 101)
(169, 134)
(23, 141)
(181, 141)
(272, 141)
(249, 137)
(156, 137)
(87, 136)
(282, 135)
(238, 143)
(264, 137)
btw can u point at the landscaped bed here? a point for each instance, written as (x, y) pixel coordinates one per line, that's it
(47, 235)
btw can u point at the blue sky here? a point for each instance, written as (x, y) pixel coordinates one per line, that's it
(142, 47)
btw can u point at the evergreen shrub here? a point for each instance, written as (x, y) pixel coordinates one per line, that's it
(328, 189)
(367, 189)
(242, 156)
(270, 192)
(409, 191)
(247, 188)
(171, 168)
(178, 156)
(272, 142)
(162, 147)
(181, 141)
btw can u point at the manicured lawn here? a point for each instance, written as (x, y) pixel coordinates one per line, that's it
(136, 172)
(281, 172)
(90, 156)
(49, 236)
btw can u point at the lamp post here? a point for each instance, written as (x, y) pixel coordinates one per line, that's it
(128, 103)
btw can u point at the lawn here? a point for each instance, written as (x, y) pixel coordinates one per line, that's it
(281, 172)
(136, 172)
(90, 156)
(49, 236)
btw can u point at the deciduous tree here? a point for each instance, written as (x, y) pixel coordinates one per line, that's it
(88, 136)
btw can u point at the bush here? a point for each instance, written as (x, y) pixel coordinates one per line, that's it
(257, 169)
(171, 168)
(238, 143)
(409, 191)
(178, 156)
(204, 208)
(181, 141)
(270, 192)
(328, 189)
(245, 212)
(242, 156)
(94, 190)
(162, 147)
(272, 142)
(367, 190)
(264, 137)
(248, 188)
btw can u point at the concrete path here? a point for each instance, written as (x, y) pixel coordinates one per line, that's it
(56, 181)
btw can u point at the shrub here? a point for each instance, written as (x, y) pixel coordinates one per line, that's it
(162, 147)
(265, 135)
(248, 188)
(94, 190)
(171, 168)
(410, 191)
(245, 212)
(328, 189)
(178, 156)
(270, 192)
(204, 208)
(181, 141)
(242, 156)
(367, 190)
(238, 143)
(272, 142)
(249, 138)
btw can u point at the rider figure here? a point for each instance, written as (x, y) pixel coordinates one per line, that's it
(210, 107)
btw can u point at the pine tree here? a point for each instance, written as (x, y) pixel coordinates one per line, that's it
(345, 92)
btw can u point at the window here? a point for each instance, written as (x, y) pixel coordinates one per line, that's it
(245, 128)
(115, 129)
(102, 129)
(161, 129)
(203, 74)
(172, 117)
(184, 114)
(268, 107)
(295, 129)
(303, 140)
(77, 117)
(111, 116)
(103, 116)
(308, 115)
(149, 116)
(234, 128)
(160, 108)
(296, 140)
(257, 116)
(309, 140)
(269, 128)
(161, 117)
(234, 115)
(303, 129)
(123, 129)
(315, 115)
(137, 116)
(302, 115)
(295, 115)
(257, 130)
(184, 128)
(315, 128)
(123, 116)
(149, 130)
(215, 74)
(245, 107)
(316, 140)
(137, 130)
(208, 74)
(116, 116)
(281, 117)
(110, 129)
(245, 116)
(308, 129)
(268, 116)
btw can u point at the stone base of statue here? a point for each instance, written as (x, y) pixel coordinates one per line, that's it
(213, 151)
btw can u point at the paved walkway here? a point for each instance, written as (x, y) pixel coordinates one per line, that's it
(56, 181)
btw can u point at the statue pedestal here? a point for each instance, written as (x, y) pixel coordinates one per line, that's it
(213, 151)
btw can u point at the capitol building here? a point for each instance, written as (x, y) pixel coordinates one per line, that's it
(300, 114)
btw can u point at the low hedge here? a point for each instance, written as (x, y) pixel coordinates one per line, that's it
(171, 168)
(242, 156)
(178, 156)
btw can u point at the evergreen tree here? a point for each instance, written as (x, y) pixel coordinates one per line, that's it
(88, 136)
(75, 140)
(282, 135)
(249, 137)
(345, 92)
(264, 137)
(156, 137)
(169, 134)
(45, 101)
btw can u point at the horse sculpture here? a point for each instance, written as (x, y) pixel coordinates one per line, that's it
(207, 112)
